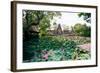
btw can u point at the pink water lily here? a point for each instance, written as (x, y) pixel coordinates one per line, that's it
(45, 56)
(86, 47)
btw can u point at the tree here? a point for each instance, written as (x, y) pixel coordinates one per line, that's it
(82, 30)
(40, 18)
(86, 16)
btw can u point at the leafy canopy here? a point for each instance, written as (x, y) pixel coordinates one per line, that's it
(41, 18)
(86, 16)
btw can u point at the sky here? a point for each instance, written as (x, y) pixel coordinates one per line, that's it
(69, 19)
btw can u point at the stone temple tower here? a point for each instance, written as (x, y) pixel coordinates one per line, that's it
(59, 30)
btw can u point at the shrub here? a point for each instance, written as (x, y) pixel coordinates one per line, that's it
(82, 30)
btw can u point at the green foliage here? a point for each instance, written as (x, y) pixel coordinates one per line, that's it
(86, 16)
(56, 49)
(82, 30)
(58, 54)
(82, 40)
(41, 18)
(80, 54)
(84, 56)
